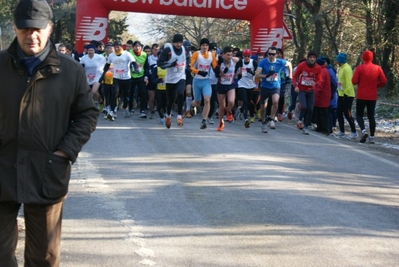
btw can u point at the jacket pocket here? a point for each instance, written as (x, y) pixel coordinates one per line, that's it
(56, 177)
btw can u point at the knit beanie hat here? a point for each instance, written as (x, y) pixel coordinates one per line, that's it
(321, 61)
(341, 58)
(204, 41)
(91, 46)
(312, 53)
(177, 38)
(367, 56)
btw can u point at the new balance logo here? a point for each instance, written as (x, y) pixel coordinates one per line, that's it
(266, 38)
(92, 29)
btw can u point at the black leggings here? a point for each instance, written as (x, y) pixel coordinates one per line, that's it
(344, 108)
(214, 99)
(171, 90)
(109, 93)
(360, 106)
(161, 102)
(124, 87)
(246, 96)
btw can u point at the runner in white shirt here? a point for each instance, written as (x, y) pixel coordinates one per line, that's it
(122, 62)
(93, 64)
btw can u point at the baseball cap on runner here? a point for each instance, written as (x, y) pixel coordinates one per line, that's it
(246, 52)
(32, 14)
(187, 44)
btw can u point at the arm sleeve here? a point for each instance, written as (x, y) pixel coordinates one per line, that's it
(355, 77)
(147, 69)
(83, 116)
(194, 58)
(382, 79)
(164, 58)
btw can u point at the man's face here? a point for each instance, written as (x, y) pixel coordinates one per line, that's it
(271, 54)
(100, 48)
(137, 48)
(117, 48)
(128, 46)
(91, 52)
(312, 59)
(109, 49)
(227, 56)
(32, 40)
(178, 45)
(148, 51)
(155, 51)
(204, 48)
(62, 50)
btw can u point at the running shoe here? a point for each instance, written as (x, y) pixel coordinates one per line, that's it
(152, 115)
(299, 125)
(247, 124)
(289, 116)
(110, 116)
(264, 127)
(258, 114)
(143, 115)
(340, 134)
(230, 117)
(126, 112)
(279, 117)
(364, 138)
(188, 114)
(168, 122)
(371, 140)
(180, 122)
(271, 124)
(203, 124)
(352, 136)
(221, 126)
(252, 119)
(209, 120)
(305, 130)
(162, 121)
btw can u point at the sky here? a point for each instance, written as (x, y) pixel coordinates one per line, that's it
(136, 21)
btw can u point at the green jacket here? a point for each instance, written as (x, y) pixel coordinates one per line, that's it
(142, 63)
(345, 86)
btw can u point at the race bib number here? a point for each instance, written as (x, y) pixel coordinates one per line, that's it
(272, 78)
(90, 77)
(339, 86)
(139, 67)
(119, 73)
(203, 67)
(306, 81)
(179, 67)
(227, 78)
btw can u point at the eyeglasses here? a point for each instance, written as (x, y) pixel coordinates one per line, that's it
(271, 54)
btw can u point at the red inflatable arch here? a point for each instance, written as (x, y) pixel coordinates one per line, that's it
(265, 16)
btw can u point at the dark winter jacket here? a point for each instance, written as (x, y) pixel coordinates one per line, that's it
(49, 111)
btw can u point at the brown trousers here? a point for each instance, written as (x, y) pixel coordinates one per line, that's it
(43, 234)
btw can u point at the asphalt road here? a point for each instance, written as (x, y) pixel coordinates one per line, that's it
(143, 195)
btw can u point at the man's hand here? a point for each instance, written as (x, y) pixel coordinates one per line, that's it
(270, 73)
(203, 73)
(249, 70)
(61, 154)
(174, 63)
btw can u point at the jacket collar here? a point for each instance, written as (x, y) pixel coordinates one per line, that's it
(52, 60)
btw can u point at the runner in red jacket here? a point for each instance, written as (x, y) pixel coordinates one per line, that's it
(368, 77)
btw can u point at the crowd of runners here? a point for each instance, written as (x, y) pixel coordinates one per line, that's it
(174, 81)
